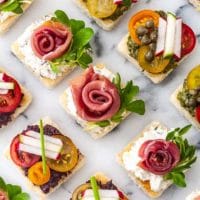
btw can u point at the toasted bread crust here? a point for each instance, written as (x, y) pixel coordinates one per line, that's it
(5, 25)
(181, 109)
(106, 24)
(102, 131)
(37, 189)
(144, 185)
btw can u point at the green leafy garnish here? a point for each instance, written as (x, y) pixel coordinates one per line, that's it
(95, 188)
(127, 3)
(187, 156)
(128, 102)
(44, 167)
(14, 192)
(79, 52)
(14, 6)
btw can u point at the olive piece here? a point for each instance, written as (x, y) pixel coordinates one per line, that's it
(149, 56)
(141, 30)
(152, 46)
(145, 40)
(149, 24)
(153, 36)
(193, 92)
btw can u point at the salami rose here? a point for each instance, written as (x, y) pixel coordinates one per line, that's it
(2, 1)
(51, 40)
(96, 97)
(159, 156)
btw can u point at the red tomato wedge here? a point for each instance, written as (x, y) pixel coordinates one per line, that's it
(10, 101)
(20, 158)
(188, 40)
(197, 113)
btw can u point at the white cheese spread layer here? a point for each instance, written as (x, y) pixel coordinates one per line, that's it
(131, 160)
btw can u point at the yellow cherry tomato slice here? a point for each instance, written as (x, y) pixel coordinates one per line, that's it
(156, 66)
(193, 79)
(101, 8)
(36, 175)
(140, 19)
(68, 156)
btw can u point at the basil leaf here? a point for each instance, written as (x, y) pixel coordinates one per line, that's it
(82, 37)
(13, 190)
(76, 25)
(22, 196)
(137, 106)
(127, 2)
(62, 17)
(170, 135)
(103, 123)
(130, 91)
(117, 81)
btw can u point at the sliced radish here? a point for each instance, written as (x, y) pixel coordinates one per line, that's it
(47, 138)
(170, 35)
(5, 86)
(104, 195)
(36, 143)
(37, 151)
(178, 37)
(162, 27)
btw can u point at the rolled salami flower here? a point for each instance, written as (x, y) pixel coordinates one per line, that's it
(51, 40)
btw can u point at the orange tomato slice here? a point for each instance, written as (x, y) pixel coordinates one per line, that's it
(140, 19)
(36, 175)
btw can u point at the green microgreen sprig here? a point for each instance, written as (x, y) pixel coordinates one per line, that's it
(187, 152)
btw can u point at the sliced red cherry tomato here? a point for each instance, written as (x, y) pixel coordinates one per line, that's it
(20, 158)
(10, 101)
(188, 40)
(121, 195)
(197, 113)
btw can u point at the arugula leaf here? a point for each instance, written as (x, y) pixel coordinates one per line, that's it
(22, 196)
(80, 50)
(12, 6)
(14, 191)
(137, 106)
(128, 102)
(2, 184)
(187, 154)
(103, 123)
(62, 17)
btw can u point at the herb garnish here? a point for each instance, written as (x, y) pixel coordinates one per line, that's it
(187, 156)
(14, 6)
(80, 50)
(14, 192)
(127, 96)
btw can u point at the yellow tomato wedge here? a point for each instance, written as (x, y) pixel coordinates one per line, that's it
(140, 19)
(36, 175)
(156, 66)
(193, 79)
(101, 8)
(68, 156)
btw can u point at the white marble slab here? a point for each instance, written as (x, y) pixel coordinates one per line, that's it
(100, 154)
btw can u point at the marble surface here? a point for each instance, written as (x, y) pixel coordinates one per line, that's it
(101, 154)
